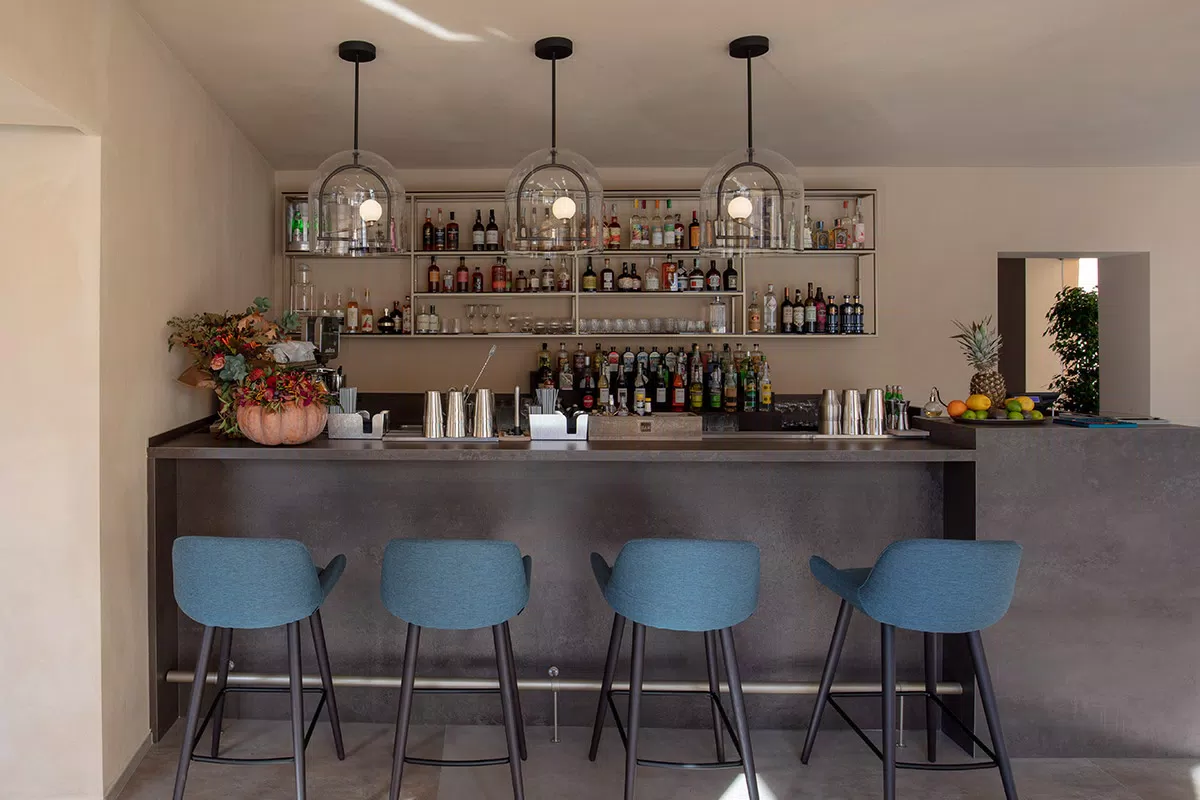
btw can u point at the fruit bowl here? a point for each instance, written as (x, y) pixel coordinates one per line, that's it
(1041, 421)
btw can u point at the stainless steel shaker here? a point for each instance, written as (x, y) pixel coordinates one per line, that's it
(852, 420)
(829, 414)
(456, 415)
(483, 420)
(874, 425)
(431, 427)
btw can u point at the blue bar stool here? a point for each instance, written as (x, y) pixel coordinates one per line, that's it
(227, 584)
(451, 584)
(679, 585)
(934, 586)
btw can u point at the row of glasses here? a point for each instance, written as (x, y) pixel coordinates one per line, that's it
(670, 325)
(483, 312)
(538, 326)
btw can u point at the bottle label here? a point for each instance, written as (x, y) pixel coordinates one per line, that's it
(368, 322)
(660, 394)
(588, 400)
(810, 314)
(608, 282)
(351, 318)
(477, 237)
(714, 283)
(787, 317)
(860, 232)
(604, 396)
(680, 396)
(492, 237)
(731, 283)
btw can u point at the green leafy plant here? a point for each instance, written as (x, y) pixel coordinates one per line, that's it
(1075, 337)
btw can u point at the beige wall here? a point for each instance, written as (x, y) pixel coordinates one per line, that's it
(1043, 280)
(186, 206)
(940, 233)
(1125, 325)
(50, 680)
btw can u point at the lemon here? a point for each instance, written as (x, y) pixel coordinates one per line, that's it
(979, 402)
(1026, 403)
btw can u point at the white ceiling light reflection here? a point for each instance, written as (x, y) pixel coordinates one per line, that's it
(410, 17)
(737, 790)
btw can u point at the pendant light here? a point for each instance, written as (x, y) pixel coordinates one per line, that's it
(750, 198)
(356, 200)
(553, 197)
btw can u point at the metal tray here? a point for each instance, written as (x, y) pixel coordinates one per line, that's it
(1042, 421)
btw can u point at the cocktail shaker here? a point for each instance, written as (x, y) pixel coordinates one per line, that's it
(829, 415)
(875, 413)
(483, 421)
(456, 415)
(852, 419)
(431, 427)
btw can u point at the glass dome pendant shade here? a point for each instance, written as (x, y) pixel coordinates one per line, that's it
(753, 198)
(356, 200)
(553, 198)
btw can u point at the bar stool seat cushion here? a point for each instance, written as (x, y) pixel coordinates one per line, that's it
(455, 584)
(682, 584)
(930, 585)
(226, 582)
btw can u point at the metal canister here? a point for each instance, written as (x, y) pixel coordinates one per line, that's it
(829, 414)
(852, 420)
(456, 415)
(483, 420)
(874, 424)
(432, 427)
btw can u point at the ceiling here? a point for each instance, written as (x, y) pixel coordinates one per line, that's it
(869, 82)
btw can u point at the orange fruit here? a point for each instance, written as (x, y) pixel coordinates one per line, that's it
(956, 408)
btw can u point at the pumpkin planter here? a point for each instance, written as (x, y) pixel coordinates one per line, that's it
(293, 423)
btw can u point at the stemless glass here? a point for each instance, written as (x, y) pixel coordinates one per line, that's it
(619, 326)
(527, 324)
(656, 325)
(512, 323)
(643, 326)
(608, 325)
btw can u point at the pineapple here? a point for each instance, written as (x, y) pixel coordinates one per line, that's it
(981, 344)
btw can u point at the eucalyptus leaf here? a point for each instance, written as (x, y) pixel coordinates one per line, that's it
(1074, 328)
(235, 369)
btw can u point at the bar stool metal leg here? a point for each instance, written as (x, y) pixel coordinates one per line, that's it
(637, 667)
(516, 693)
(714, 687)
(987, 694)
(193, 714)
(610, 669)
(335, 722)
(222, 680)
(411, 642)
(508, 690)
(740, 720)
(296, 687)
(827, 675)
(888, 658)
(933, 714)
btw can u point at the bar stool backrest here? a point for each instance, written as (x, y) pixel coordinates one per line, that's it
(682, 584)
(942, 585)
(226, 582)
(455, 584)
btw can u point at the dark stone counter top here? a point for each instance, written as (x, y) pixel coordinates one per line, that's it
(723, 449)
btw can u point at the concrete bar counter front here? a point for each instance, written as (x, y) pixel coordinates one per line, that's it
(1107, 520)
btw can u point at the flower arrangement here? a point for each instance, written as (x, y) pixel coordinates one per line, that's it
(232, 348)
(274, 388)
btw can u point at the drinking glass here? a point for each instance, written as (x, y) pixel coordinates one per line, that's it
(643, 326)
(608, 325)
(631, 326)
(568, 325)
(539, 327)
(527, 324)
(619, 326)
(496, 316)
(553, 327)
(512, 323)
(656, 325)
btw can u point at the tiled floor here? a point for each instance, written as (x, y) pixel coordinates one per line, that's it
(841, 769)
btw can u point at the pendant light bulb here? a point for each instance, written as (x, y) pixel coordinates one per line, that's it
(740, 208)
(563, 208)
(370, 210)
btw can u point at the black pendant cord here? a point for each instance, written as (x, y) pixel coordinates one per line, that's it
(356, 110)
(553, 110)
(749, 111)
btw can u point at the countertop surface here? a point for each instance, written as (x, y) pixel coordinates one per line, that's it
(743, 448)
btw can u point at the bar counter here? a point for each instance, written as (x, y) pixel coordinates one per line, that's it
(1074, 498)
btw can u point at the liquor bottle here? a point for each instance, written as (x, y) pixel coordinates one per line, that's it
(832, 316)
(696, 388)
(607, 278)
(549, 279)
(605, 233)
(661, 379)
(718, 316)
(650, 282)
(478, 235)
(524, 231)
(678, 392)
(696, 277)
(645, 240)
(671, 360)
(858, 235)
(435, 322)
(598, 359)
(654, 360)
(694, 233)
(614, 359)
(366, 315)
(407, 325)
(643, 359)
(766, 395)
(635, 228)
(423, 320)
(770, 310)
(622, 391)
(351, 312)
(730, 278)
(716, 387)
(791, 228)
(435, 276)
(810, 312)
(785, 312)
(754, 323)
(477, 280)
(602, 387)
(547, 232)
(397, 316)
(730, 389)
(625, 282)
(427, 232)
(522, 283)
(639, 393)
(491, 234)
(386, 323)
(756, 359)
(635, 280)
(628, 362)
(712, 278)
(840, 236)
(589, 277)
(566, 378)
(614, 231)
(847, 315)
(508, 275)
(587, 387)
(656, 227)
(462, 277)
(807, 235)
(860, 313)
(750, 391)
(451, 233)
(670, 276)
(821, 237)
(822, 316)
(499, 276)
(680, 231)
(535, 281)
(439, 233)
